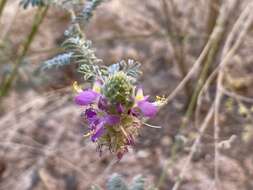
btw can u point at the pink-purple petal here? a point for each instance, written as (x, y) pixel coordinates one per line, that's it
(112, 119)
(100, 130)
(90, 113)
(86, 97)
(92, 118)
(103, 103)
(148, 109)
(119, 108)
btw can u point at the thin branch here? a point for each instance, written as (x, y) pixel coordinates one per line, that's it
(236, 96)
(2, 5)
(199, 61)
(38, 19)
(194, 147)
(244, 26)
(9, 25)
(175, 37)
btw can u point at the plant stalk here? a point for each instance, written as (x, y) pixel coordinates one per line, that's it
(209, 59)
(2, 5)
(177, 37)
(38, 19)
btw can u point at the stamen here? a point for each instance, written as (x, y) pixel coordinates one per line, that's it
(152, 126)
(87, 135)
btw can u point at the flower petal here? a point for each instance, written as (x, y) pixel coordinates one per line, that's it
(97, 86)
(139, 94)
(112, 119)
(135, 111)
(86, 97)
(92, 118)
(119, 108)
(102, 103)
(90, 113)
(100, 130)
(93, 123)
(147, 108)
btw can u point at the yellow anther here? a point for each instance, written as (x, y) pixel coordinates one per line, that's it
(160, 100)
(76, 87)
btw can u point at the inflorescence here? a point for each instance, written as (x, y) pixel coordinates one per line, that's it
(115, 109)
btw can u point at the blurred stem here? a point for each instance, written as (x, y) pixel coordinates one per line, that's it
(38, 18)
(53, 50)
(169, 162)
(76, 24)
(209, 59)
(177, 40)
(202, 79)
(179, 54)
(2, 4)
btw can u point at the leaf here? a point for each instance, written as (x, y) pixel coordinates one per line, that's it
(90, 72)
(138, 183)
(83, 53)
(116, 183)
(33, 3)
(131, 68)
(58, 61)
(114, 68)
(88, 10)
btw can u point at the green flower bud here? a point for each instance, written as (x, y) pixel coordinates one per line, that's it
(118, 89)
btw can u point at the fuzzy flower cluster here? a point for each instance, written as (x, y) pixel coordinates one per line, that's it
(114, 110)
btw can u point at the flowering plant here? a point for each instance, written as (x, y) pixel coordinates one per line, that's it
(115, 107)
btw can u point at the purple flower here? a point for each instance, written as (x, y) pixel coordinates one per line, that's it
(90, 113)
(100, 130)
(103, 103)
(147, 108)
(112, 119)
(92, 118)
(104, 116)
(86, 97)
(119, 108)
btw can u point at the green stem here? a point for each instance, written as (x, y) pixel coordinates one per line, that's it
(201, 81)
(39, 17)
(2, 5)
(209, 59)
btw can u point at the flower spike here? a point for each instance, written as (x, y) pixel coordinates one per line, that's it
(114, 110)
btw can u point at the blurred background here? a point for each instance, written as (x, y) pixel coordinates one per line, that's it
(41, 132)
